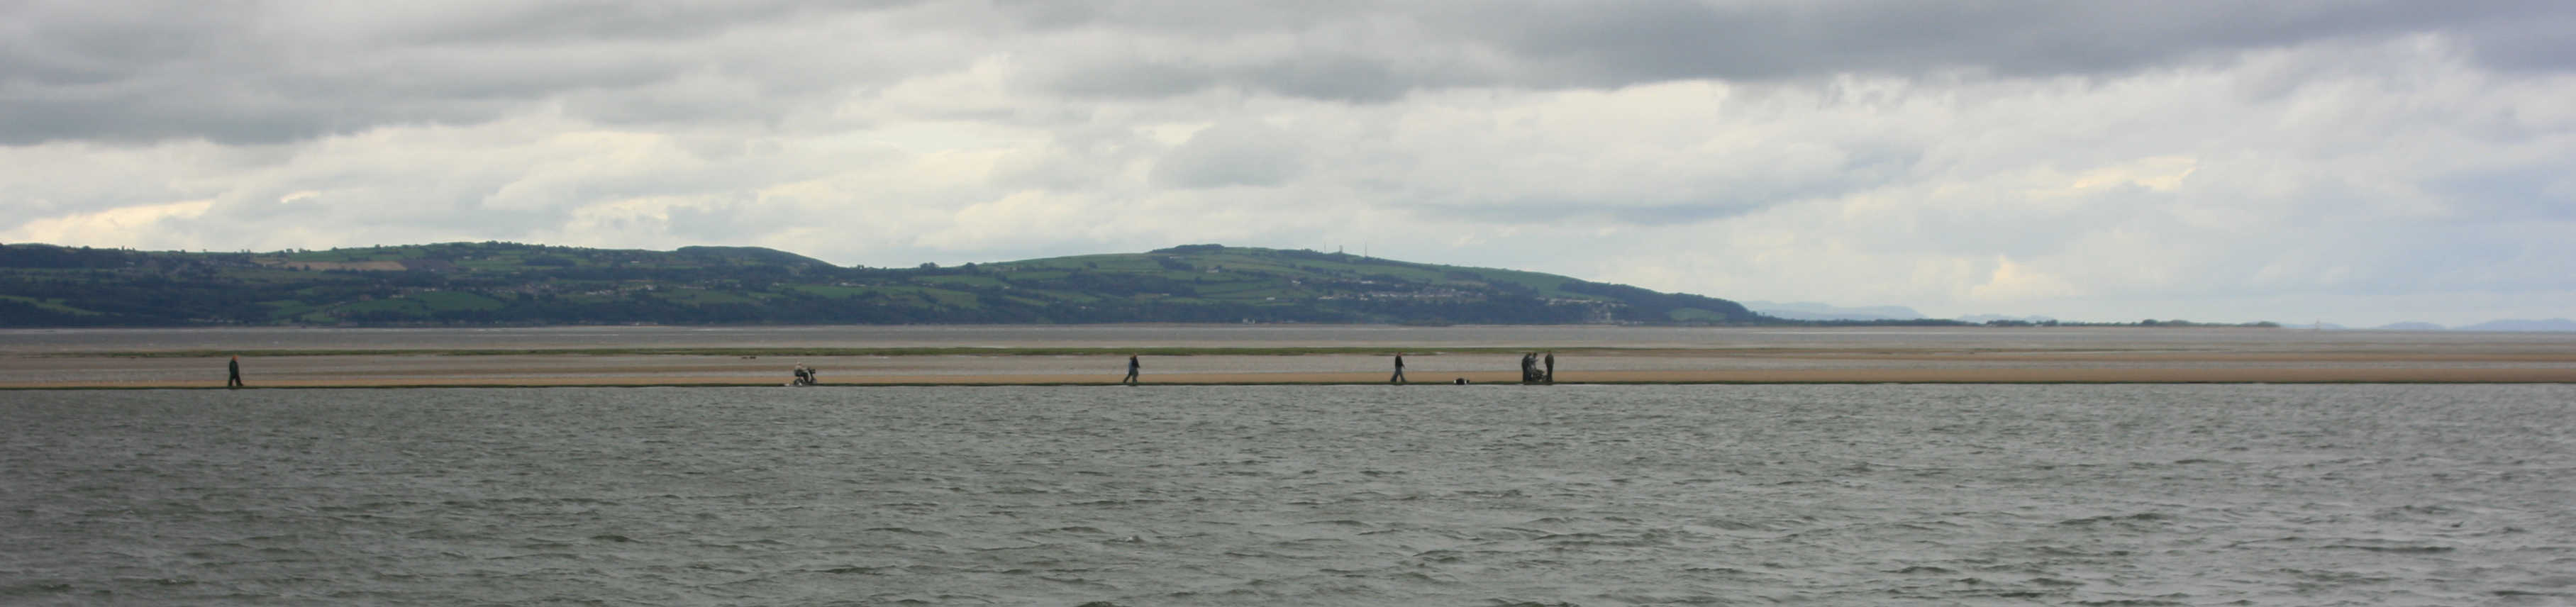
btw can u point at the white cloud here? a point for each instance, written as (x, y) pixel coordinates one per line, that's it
(117, 227)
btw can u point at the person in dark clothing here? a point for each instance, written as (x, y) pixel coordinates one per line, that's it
(233, 378)
(1399, 370)
(1551, 367)
(1132, 368)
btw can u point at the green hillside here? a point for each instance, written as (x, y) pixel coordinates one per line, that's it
(505, 283)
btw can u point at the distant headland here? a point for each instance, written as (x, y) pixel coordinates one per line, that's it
(499, 283)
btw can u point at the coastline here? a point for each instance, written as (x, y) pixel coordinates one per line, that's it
(1053, 355)
(1577, 368)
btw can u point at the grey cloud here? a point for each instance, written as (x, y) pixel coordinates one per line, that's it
(76, 43)
(1664, 39)
(1196, 17)
(1324, 75)
(2028, 37)
(268, 72)
(2537, 43)
(1556, 210)
(1552, 44)
(1339, 78)
(2393, 259)
(2528, 192)
(376, 210)
(1699, 190)
(1236, 154)
(1684, 39)
(608, 20)
(1133, 79)
(731, 220)
(271, 72)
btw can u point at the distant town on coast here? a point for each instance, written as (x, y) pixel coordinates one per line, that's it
(497, 283)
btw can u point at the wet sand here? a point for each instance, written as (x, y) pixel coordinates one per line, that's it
(1874, 364)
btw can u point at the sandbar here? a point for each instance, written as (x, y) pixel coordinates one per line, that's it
(1424, 367)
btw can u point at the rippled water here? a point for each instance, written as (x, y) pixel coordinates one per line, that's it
(1172, 495)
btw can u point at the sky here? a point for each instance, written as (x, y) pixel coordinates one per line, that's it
(2358, 162)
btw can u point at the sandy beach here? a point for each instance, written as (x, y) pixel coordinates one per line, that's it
(1854, 356)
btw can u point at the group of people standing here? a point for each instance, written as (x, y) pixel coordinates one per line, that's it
(1535, 368)
(1532, 374)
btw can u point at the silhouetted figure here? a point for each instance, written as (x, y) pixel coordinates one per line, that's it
(1529, 367)
(1132, 369)
(233, 377)
(1551, 367)
(1399, 370)
(1462, 381)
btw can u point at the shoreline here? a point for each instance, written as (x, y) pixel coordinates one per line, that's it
(1997, 376)
(1229, 355)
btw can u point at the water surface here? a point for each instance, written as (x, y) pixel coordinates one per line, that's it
(1313, 495)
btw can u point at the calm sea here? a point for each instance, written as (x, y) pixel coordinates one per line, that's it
(1286, 495)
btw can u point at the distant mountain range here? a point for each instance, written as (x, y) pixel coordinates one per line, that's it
(507, 283)
(1814, 311)
(2548, 325)
(2553, 324)
(498, 283)
(1808, 310)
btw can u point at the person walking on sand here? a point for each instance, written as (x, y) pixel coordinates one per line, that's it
(1399, 370)
(1132, 368)
(1551, 367)
(233, 376)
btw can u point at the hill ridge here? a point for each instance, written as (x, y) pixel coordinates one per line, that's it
(500, 283)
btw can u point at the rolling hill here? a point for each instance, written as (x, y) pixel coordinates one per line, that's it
(493, 283)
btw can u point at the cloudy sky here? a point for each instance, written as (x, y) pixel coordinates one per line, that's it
(2360, 162)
